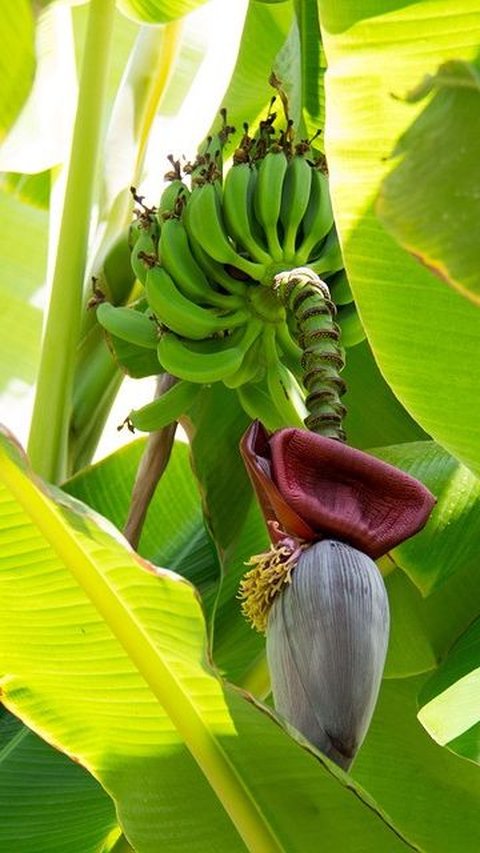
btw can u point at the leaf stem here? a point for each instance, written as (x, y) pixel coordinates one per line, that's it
(49, 430)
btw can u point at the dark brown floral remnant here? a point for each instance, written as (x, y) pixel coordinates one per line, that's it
(316, 488)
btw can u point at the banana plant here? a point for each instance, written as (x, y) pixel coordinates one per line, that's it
(237, 592)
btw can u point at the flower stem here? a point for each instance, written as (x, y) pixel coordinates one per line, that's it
(49, 430)
(308, 298)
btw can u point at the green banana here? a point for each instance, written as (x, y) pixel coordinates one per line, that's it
(291, 353)
(318, 219)
(204, 222)
(198, 361)
(268, 198)
(182, 316)
(339, 287)
(216, 272)
(177, 258)
(295, 198)
(145, 247)
(252, 365)
(282, 385)
(238, 210)
(329, 258)
(256, 401)
(174, 194)
(165, 409)
(351, 325)
(128, 325)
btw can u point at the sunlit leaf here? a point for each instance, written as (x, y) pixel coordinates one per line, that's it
(430, 202)
(264, 34)
(23, 250)
(31, 189)
(157, 11)
(424, 335)
(449, 701)
(17, 59)
(107, 661)
(174, 534)
(47, 802)
(41, 136)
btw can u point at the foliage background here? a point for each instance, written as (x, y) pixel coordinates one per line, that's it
(95, 747)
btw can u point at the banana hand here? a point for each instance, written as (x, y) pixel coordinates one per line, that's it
(182, 316)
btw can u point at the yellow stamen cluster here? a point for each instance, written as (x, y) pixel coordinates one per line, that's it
(271, 571)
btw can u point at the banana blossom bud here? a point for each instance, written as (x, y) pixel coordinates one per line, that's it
(330, 510)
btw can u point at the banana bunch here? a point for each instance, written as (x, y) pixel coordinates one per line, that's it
(207, 256)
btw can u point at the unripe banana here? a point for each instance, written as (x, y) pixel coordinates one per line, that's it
(128, 325)
(165, 409)
(291, 352)
(256, 401)
(286, 392)
(295, 199)
(252, 365)
(329, 259)
(174, 194)
(217, 272)
(238, 210)
(181, 315)
(202, 361)
(327, 636)
(268, 198)
(339, 287)
(351, 325)
(282, 385)
(145, 248)
(318, 219)
(177, 258)
(204, 222)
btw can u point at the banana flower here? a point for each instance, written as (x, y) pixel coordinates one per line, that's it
(331, 511)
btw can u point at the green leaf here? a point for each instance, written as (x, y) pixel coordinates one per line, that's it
(40, 138)
(433, 795)
(174, 534)
(107, 661)
(17, 59)
(449, 541)
(238, 650)
(22, 275)
(30, 189)
(47, 802)
(215, 426)
(449, 700)
(430, 202)
(422, 333)
(374, 415)
(264, 34)
(157, 11)
(410, 649)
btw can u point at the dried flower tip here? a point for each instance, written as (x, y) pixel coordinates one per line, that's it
(272, 570)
